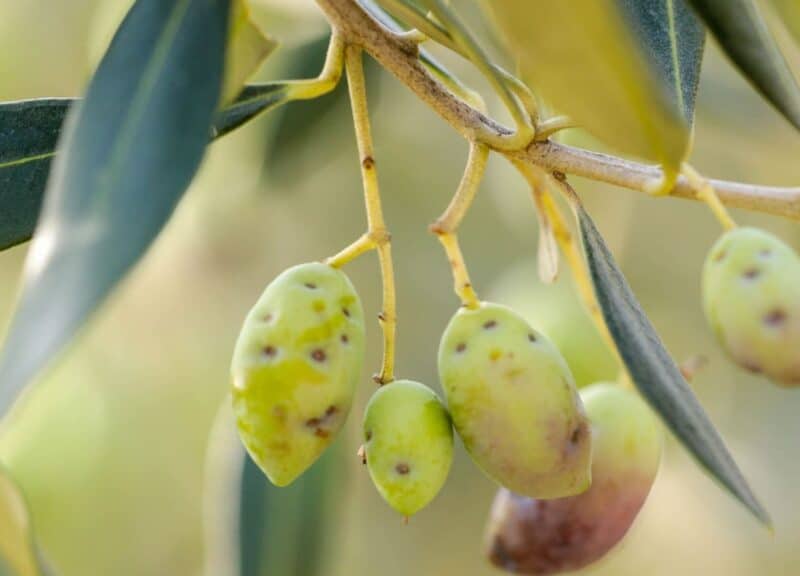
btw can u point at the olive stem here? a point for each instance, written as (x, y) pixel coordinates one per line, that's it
(328, 78)
(447, 224)
(360, 28)
(520, 110)
(706, 193)
(413, 16)
(361, 245)
(547, 128)
(377, 235)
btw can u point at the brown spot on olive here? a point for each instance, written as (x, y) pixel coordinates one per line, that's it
(267, 317)
(321, 424)
(532, 337)
(270, 351)
(576, 435)
(751, 273)
(753, 367)
(775, 318)
(310, 285)
(460, 347)
(402, 468)
(346, 312)
(344, 338)
(318, 355)
(368, 435)
(279, 412)
(489, 324)
(368, 162)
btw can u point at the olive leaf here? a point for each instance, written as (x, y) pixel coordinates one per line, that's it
(29, 131)
(582, 57)
(248, 47)
(654, 372)
(19, 552)
(128, 152)
(674, 39)
(741, 31)
(254, 528)
(790, 14)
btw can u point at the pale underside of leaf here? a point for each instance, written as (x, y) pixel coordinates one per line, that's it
(744, 36)
(583, 59)
(248, 47)
(129, 150)
(655, 374)
(790, 14)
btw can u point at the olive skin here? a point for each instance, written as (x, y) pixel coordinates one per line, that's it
(295, 367)
(531, 536)
(751, 299)
(514, 403)
(408, 444)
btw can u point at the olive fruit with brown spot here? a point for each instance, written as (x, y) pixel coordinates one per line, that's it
(295, 367)
(408, 444)
(556, 310)
(513, 402)
(751, 297)
(529, 536)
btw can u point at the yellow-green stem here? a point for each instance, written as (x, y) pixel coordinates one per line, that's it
(329, 76)
(447, 224)
(377, 233)
(706, 193)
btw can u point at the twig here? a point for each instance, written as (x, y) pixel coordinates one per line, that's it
(396, 56)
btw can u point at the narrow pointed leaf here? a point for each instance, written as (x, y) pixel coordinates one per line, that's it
(582, 57)
(129, 151)
(741, 31)
(654, 372)
(674, 39)
(29, 131)
(19, 552)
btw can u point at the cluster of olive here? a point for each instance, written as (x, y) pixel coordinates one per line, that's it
(575, 468)
(582, 462)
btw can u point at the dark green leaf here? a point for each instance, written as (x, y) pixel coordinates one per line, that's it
(29, 131)
(741, 31)
(674, 39)
(130, 150)
(654, 372)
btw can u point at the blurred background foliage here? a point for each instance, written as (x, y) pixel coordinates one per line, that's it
(111, 447)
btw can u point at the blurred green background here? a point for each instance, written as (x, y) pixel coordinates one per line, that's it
(111, 445)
